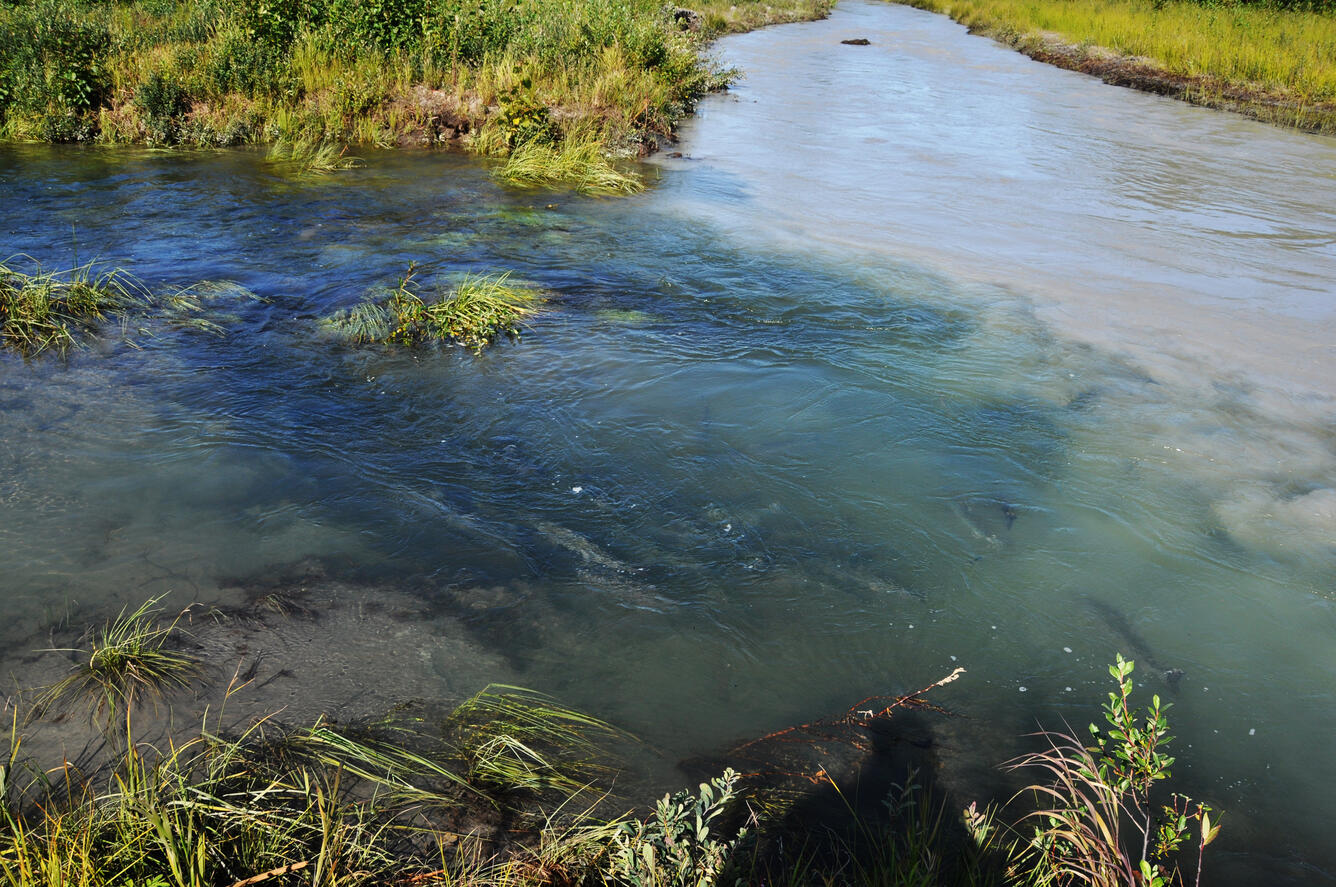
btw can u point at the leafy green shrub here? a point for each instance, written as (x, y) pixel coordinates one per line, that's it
(677, 847)
(272, 22)
(1099, 820)
(162, 101)
(523, 119)
(385, 24)
(53, 59)
(237, 63)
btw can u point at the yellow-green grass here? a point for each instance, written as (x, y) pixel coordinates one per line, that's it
(43, 310)
(1282, 62)
(475, 312)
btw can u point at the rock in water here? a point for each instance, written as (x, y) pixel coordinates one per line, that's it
(857, 41)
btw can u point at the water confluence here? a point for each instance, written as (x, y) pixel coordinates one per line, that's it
(925, 355)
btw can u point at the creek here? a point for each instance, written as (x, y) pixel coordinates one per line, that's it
(923, 355)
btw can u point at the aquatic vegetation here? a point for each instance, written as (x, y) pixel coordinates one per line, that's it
(475, 312)
(1269, 60)
(43, 310)
(414, 799)
(581, 164)
(200, 307)
(312, 156)
(361, 803)
(128, 660)
(512, 738)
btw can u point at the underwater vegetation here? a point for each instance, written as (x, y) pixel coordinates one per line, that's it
(475, 312)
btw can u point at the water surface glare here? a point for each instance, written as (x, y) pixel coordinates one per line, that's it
(814, 418)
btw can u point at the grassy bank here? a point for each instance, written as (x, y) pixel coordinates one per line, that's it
(511, 788)
(1272, 61)
(491, 76)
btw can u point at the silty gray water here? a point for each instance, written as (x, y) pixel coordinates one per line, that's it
(825, 413)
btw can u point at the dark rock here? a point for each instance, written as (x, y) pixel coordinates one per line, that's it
(857, 41)
(686, 19)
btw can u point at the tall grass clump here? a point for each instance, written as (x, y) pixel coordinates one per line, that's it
(389, 801)
(129, 660)
(43, 310)
(582, 165)
(475, 312)
(311, 156)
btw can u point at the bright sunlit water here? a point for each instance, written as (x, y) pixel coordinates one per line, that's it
(925, 355)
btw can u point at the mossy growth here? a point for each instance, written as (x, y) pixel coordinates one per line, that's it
(477, 311)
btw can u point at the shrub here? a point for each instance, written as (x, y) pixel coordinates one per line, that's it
(677, 847)
(1100, 820)
(162, 102)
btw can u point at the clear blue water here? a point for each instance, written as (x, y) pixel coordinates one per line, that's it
(790, 432)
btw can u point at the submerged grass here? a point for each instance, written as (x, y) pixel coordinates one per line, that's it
(1273, 61)
(43, 310)
(475, 312)
(311, 156)
(129, 660)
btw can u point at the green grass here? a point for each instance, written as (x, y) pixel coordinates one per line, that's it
(582, 165)
(512, 788)
(128, 661)
(476, 312)
(42, 310)
(316, 157)
(485, 75)
(1276, 63)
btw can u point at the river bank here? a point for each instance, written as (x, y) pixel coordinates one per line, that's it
(1265, 62)
(178, 766)
(571, 83)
